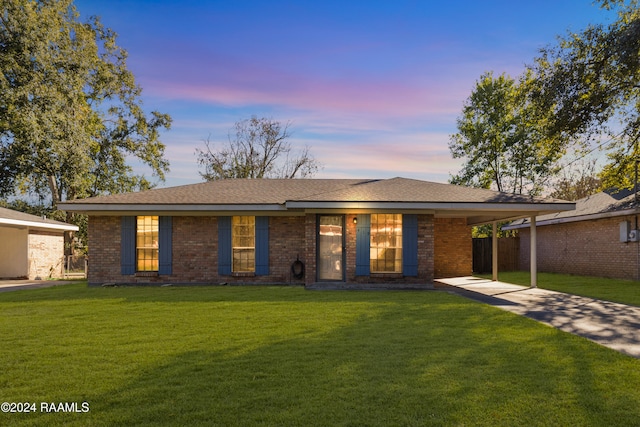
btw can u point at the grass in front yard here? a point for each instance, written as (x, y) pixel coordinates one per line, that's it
(285, 356)
(616, 290)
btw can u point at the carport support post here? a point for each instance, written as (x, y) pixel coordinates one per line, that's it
(494, 251)
(534, 255)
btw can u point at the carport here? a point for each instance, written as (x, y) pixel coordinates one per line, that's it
(495, 213)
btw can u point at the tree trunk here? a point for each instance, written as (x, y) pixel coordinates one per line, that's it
(53, 186)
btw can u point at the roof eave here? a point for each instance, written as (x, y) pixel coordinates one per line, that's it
(475, 212)
(459, 206)
(38, 225)
(579, 218)
(124, 208)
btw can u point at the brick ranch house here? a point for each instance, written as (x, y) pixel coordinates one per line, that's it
(392, 232)
(32, 247)
(592, 240)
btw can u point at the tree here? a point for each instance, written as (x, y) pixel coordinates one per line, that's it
(577, 181)
(500, 134)
(257, 148)
(591, 81)
(70, 110)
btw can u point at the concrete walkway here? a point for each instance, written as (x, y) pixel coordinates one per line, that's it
(610, 324)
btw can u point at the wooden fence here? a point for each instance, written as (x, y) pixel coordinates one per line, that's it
(508, 254)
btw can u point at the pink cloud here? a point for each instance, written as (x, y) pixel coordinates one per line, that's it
(421, 154)
(418, 154)
(387, 98)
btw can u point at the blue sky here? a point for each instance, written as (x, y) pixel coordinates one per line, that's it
(372, 87)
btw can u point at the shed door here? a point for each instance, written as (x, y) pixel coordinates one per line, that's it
(14, 252)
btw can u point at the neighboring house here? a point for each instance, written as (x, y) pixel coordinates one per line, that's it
(397, 232)
(32, 247)
(592, 240)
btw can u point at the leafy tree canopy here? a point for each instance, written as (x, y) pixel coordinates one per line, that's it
(591, 82)
(576, 181)
(70, 111)
(501, 137)
(256, 148)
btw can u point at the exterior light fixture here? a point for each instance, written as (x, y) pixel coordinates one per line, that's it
(355, 219)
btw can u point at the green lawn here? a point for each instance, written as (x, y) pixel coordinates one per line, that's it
(285, 356)
(616, 290)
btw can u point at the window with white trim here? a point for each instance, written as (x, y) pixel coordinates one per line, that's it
(243, 244)
(147, 243)
(386, 243)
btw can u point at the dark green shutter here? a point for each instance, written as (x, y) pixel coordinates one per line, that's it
(363, 245)
(128, 245)
(164, 245)
(224, 245)
(262, 245)
(410, 245)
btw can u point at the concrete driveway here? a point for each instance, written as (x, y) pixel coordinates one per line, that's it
(613, 325)
(17, 285)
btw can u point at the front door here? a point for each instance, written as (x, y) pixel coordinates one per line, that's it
(330, 244)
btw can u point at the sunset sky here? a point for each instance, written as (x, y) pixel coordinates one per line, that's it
(373, 87)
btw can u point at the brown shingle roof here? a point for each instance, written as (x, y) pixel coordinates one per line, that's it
(280, 191)
(413, 190)
(282, 195)
(605, 202)
(228, 191)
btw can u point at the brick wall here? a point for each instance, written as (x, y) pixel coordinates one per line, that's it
(286, 244)
(103, 235)
(425, 257)
(194, 251)
(453, 247)
(426, 248)
(350, 248)
(310, 248)
(444, 248)
(46, 254)
(590, 248)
